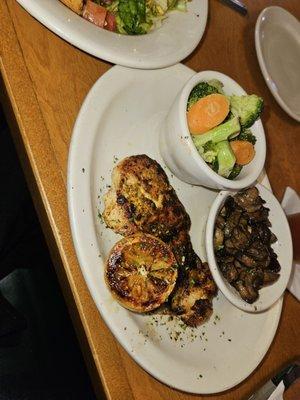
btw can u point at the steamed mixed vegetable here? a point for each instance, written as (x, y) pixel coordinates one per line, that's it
(132, 17)
(219, 126)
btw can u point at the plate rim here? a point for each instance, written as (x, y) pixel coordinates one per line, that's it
(261, 60)
(103, 53)
(113, 330)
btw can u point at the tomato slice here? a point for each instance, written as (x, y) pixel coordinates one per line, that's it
(110, 22)
(95, 13)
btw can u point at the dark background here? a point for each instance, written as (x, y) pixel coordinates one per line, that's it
(39, 353)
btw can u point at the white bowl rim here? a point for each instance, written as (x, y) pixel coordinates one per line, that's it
(235, 299)
(224, 182)
(262, 63)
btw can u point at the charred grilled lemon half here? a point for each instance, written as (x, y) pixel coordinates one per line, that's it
(141, 272)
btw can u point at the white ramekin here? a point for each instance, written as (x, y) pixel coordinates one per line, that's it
(180, 154)
(283, 248)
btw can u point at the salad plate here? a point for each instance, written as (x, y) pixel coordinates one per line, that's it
(126, 121)
(177, 37)
(277, 42)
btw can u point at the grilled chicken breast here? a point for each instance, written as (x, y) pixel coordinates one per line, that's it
(141, 199)
(141, 272)
(192, 297)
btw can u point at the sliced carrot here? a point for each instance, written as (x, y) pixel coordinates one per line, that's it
(244, 151)
(207, 113)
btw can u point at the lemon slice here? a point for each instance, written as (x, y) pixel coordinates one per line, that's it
(141, 272)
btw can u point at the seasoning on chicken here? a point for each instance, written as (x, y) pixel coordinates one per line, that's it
(192, 297)
(141, 199)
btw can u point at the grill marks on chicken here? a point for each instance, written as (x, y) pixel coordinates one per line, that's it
(141, 199)
(192, 297)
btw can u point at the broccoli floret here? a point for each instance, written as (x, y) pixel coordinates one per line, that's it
(208, 152)
(219, 156)
(235, 171)
(201, 90)
(209, 146)
(204, 89)
(247, 135)
(215, 149)
(226, 158)
(247, 108)
(217, 84)
(222, 132)
(215, 165)
(131, 17)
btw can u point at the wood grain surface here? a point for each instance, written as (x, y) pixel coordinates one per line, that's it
(44, 81)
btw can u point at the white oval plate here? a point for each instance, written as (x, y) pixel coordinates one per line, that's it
(178, 36)
(121, 116)
(277, 42)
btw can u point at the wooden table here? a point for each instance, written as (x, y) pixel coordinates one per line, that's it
(44, 81)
